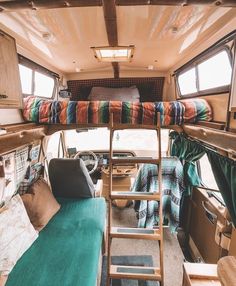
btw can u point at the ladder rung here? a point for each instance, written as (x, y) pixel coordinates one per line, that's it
(122, 126)
(135, 196)
(135, 160)
(137, 233)
(135, 272)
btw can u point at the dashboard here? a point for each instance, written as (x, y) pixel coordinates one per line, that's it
(103, 156)
(103, 160)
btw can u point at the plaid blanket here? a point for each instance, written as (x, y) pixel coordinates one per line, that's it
(172, 189)
(98, 112)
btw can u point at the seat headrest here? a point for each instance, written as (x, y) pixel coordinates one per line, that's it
(70, 178)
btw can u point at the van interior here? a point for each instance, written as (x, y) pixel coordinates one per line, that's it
(117, 143)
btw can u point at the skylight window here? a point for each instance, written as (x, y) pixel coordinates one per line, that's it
(113, 54)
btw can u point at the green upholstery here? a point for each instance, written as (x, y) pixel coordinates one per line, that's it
(67, 250)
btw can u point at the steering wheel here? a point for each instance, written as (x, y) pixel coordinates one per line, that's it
(91, 164)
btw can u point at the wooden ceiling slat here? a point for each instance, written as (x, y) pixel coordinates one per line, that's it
(45, 4)
(223, 3)
(109, 9)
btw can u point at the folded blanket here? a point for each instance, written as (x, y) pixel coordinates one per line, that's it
(172, 189)
(98, 112)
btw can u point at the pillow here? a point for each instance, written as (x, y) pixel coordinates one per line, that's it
(16, 234)
(40, 204)
(121, 94)
(70, 178)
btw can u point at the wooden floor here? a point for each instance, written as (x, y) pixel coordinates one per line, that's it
(173, 257)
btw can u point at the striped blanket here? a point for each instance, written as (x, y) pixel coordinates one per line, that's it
(98, 112)
(172, 189)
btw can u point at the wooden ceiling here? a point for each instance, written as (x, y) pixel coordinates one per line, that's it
(161, 34)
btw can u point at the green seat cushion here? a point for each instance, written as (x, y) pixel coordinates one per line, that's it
(67, 250)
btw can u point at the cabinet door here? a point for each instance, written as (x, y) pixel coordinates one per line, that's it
(10, 87)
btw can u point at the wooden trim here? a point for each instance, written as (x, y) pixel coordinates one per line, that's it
(19, 127)
(16, 5)
(233, 109)
(225, 3)
(45, 4)
(14, 140)
(212, 124)
(220, 139)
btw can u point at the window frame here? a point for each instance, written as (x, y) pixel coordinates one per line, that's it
(40, 69)
(194, 64)
(210, 191)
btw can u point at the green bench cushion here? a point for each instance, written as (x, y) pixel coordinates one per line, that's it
(68, 248)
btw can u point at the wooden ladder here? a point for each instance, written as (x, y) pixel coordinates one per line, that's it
(135, 272)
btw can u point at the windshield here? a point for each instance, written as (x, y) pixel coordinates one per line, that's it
(140, 140)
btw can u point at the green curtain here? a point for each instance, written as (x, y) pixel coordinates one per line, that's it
(188, 152)
(224, 170)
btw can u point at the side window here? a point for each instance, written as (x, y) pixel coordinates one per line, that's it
(187, 82)
(208, 76)
(43, 85)
(215, 72)
(35, 81)
(26, 78)
(208, 178)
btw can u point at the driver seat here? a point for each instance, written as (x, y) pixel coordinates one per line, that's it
(70, 178)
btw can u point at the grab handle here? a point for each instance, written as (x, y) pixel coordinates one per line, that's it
(210, 215)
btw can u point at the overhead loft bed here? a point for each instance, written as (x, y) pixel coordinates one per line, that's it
(97, 113)
(191, 116)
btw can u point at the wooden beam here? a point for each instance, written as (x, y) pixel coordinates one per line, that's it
(109, 9)
(222, 3)
(45, 4)
(116, 69)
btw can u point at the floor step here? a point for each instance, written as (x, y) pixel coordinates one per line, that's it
(135, 196)
(135, 160)
(137, 233)
(135, 272)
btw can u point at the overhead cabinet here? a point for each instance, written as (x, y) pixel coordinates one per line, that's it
(10, 86)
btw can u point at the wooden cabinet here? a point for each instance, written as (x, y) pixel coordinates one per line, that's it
(206, 212)
(10, 86)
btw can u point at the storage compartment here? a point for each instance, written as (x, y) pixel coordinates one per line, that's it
(10, 87)
(206, 213)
